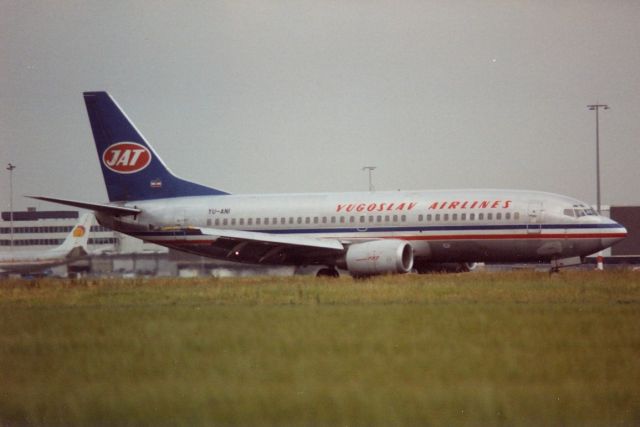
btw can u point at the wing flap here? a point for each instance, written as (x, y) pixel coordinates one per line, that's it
(245, 246)
(260, 237)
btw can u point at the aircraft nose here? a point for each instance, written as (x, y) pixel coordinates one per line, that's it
(623, 230)
(615, 233)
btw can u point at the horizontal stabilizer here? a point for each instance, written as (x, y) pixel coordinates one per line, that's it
(97, 207)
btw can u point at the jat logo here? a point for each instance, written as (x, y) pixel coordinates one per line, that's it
(78, 231)
(126, 157)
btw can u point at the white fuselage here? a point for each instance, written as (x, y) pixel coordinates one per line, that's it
(442, 226)
(33, 261)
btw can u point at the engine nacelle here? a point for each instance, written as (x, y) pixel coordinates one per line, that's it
(379, 257)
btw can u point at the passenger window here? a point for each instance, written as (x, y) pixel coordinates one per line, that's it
(507, 216)
(445, 217)
(429, 218)
(516, 215)
(217, 222)
(233, 221)
(266, 221)
(379, 218)
(250, 221)
(290, 220)
(208, 222)
(315, 219)
(283, 220)
(480, 216)
(257, 221)
(395, 218)
(341, 220)
(454, 217)
(489, 216)
(324, 219)
(437, 217)
(241, 221)
(352, 219)
(463, 217)
(420, 218)
(371, 217)
(307, 220)
(403, 218)
(498, 216)
(387, 218)
(362, 218)
(299, 220)
(224, 221)
(333, 220)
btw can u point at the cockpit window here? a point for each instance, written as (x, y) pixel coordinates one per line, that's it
(591, 211)
(580, 211)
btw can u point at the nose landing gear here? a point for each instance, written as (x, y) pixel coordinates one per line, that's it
(556, 264)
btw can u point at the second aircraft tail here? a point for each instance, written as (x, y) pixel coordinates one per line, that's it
(131, 168)
(79, 235)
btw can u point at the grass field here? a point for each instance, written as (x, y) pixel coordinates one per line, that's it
(472, 349)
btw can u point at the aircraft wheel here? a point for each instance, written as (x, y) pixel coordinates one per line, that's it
(328, 272)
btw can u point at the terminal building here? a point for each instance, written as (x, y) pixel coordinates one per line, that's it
(116, 254)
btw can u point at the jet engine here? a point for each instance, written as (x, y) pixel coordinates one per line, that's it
(379, 257)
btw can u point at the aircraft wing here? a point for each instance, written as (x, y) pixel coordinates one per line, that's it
(246, 246)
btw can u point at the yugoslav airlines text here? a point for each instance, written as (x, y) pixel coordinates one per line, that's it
(408, 206)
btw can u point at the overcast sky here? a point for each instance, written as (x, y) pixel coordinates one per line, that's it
(297, 96)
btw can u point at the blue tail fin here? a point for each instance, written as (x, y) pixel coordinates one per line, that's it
(131, 168)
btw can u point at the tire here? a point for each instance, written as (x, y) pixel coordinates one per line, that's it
(328, 272)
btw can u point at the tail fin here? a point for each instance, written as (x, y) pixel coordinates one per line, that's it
(131, 168)
(79, 235)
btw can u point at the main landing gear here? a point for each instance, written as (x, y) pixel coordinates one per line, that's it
(328, 272)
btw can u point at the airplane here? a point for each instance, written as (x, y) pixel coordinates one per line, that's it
(364, 233)
(73, 247)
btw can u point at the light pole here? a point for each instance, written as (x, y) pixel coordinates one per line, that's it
(10, 168)
(370, 169)
(597, 108)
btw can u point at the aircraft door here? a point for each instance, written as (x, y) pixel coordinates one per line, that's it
(534, 212)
